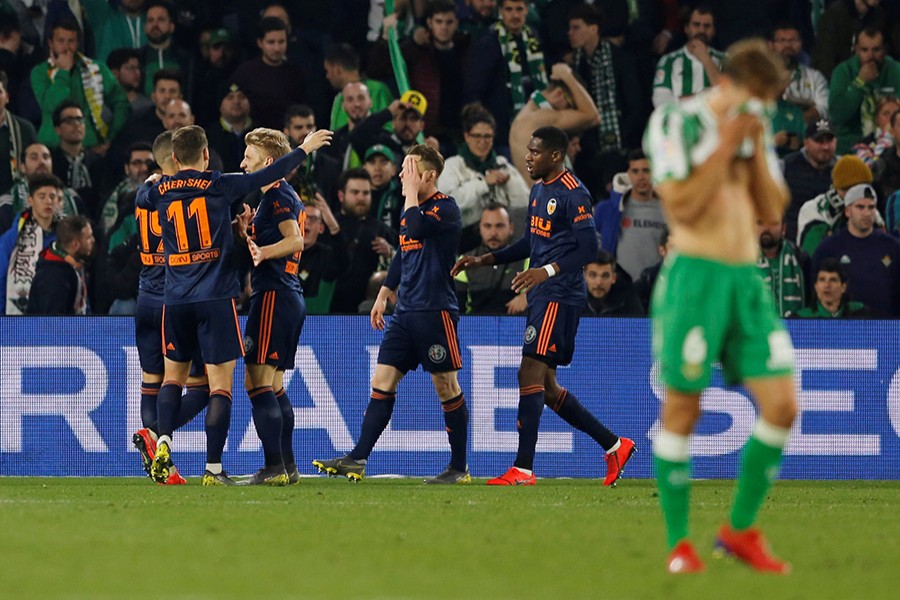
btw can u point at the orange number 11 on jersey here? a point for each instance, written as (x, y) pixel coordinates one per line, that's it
(197, 211)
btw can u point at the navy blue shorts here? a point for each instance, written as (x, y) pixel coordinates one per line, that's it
(550, 334)
(148, 338)
(421, 338)
(209, 328)
(273, 328)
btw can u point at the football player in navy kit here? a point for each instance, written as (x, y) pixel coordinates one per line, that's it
(423, 328)
(560, 240)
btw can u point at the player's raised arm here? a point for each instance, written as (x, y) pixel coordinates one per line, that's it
(240, 184)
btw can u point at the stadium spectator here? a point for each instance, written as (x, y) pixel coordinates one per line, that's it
(478, 177)
(871, 148)
(17, 58)
(872, 256)
(508, 67)
(480, 15)
(838, 27)
(123, 28)
(608, 294)
(37, 161)
(125, 65)
(342, 67)
(226, 136)
(160, 52)
(146, 125)
(320, 172)
(435, 67)
(85, 172)
(565, 103)
(321, 263)
(60, 279)
(270, 82)
(824, 214)
(808, 88)
(631, 221)
(643, 285)
(119, 206)
(370, 243)
(16, 134)
(856, 85)
(179, 114)
(693, 67)
(407, 118)
(782, 267)
(217, 61)
(608, 72)
(70, 75)
(489, 291)
(831, 295)
(890, 171)
(788, 126)
(21, 245)
(387, 198)
(808, 171)
(357, 104)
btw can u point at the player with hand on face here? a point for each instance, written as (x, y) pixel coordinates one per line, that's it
(716, 173)
(277, 310)
(423, 328)
(560, 240)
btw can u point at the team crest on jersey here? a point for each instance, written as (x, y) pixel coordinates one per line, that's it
(551, 206)
(437, 353)
(249, 345)
(530, 334)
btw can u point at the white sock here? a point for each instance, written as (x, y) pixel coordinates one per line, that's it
(770, 435)
(214, 468)
(166, 439)
(615, 446)
(526, 471)
(672, 447)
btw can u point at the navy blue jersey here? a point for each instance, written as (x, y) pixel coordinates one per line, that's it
(555, 210)
(279, 203)
(195, 212)
(429, 241)
(152, 284)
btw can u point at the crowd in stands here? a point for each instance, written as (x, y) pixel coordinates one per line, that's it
(87, 85)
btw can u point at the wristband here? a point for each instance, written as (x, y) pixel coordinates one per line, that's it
(550, 270)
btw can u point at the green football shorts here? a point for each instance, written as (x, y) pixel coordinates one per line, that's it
(705, 311)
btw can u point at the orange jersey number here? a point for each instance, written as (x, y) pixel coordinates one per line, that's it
(197, 211)
(148, 222)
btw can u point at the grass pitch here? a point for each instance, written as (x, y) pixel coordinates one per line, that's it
(383, 538)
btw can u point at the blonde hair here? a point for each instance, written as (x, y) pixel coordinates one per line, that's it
(270, 142)
(752, 64)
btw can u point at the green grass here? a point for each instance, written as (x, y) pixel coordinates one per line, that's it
(326, 538)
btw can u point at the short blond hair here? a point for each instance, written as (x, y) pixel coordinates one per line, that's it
(270, 142)
(752, 64)
(162, 150)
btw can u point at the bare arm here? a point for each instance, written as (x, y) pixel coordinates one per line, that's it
(585, 114)
(290, 242)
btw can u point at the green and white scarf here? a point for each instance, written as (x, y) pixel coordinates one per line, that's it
(92, 83)
(23, 263)
(784, 277)
(534, 60)
(603, 87)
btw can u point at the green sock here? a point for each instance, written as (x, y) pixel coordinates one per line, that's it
(759, 468)
(674, 481)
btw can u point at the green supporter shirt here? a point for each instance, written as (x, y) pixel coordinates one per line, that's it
(683, 135)
(851, 101)
(789, 118)
(847, 309)
(381, 98)
(680, 74)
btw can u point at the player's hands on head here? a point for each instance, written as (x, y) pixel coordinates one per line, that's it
(316, 139)
(524, 281)
(740, 127)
